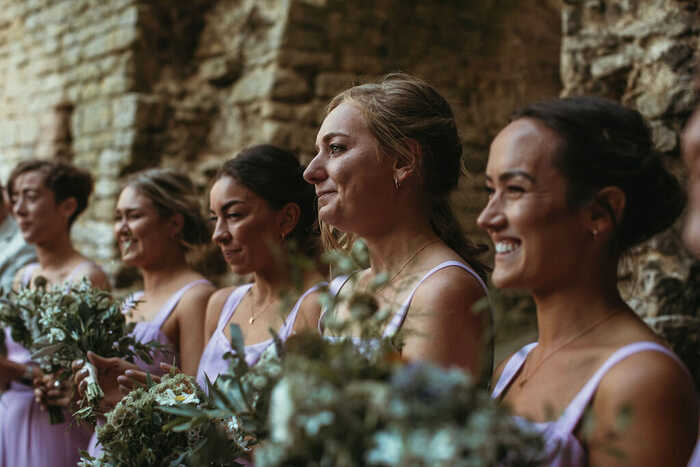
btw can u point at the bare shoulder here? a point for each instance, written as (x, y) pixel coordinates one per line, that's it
(309, 312)
(645, 377)
(196, 298)
(450, 289)
(215, 303)
(94, 273)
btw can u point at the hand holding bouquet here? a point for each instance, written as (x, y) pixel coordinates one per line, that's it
(60, 324)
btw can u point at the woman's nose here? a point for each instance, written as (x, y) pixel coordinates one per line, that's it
(220, 234)
(315, 172)
(491, 217)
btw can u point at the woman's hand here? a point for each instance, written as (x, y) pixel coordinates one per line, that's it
(132, 379)
(50, 391)
(108, 372)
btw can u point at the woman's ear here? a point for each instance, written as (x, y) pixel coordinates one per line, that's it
(288, 218)
(606, 210)
(176, 224)
(67, 208)
(407, 163)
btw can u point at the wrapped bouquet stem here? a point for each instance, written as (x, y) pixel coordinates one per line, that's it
(60, 324)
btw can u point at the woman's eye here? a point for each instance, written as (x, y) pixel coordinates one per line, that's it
(336, 148)
(515, 190)
(233, 215)
(489, 191)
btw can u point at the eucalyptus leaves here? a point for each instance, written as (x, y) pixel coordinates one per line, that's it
(60, 324)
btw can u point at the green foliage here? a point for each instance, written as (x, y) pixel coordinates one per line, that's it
(61, 324)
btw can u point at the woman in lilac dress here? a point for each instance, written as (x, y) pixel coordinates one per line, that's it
(158, 220)
(388, 158)
(262, 211)
(46, 198)
(573, 184)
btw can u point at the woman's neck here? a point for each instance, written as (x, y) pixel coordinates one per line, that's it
(389, 250)
(170, 267)
(55, 254)
(563, 313)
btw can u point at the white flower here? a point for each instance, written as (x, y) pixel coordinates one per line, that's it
(387, 450)
(281, 411)
(168, 397)
(56, 335)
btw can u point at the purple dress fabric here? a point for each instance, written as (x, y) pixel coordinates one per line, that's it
(562, 447)
(27, 438)
(148, 331)
(212, 363)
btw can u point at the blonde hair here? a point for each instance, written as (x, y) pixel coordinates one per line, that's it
(174, 193)
(399, 110)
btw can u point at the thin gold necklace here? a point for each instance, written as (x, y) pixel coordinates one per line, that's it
(406, 263)
(529, 374)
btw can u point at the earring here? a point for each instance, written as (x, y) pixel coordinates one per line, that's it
(397, 184)
(595, 233)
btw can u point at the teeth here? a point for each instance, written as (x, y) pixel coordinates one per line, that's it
(505, 247)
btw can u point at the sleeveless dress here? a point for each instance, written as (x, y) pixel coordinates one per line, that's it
(212, 363)
(27, 438)
(562, 448)
(399, 315)
(148, 331)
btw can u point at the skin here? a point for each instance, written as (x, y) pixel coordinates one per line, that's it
(249, 233)
(45, 223)
(149, 242)
(690, 144)
(356, 187)
(527, 209)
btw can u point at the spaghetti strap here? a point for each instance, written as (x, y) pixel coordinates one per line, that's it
(172, 302)
(288, 324)
(27, 274)
(571, 416)
(511, 369)
(400, 315)
(231, 304)
(333, 289)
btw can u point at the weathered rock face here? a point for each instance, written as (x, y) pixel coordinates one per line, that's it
(119, 85)
(642, 53)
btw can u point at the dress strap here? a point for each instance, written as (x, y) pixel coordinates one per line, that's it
(512, 367)
(231, 304)
(571, 416)
(288, 325)
(27, 273)
(400, 315)
(172, 302)
(131, 300)
(333, 289)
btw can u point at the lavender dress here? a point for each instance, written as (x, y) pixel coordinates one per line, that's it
(562, 447)
(27, 438)
(148, 331)
(212, 363)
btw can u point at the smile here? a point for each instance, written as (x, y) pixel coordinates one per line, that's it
(506, 246)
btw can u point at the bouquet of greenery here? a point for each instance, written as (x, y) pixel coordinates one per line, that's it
(60, 324)
(134, 435)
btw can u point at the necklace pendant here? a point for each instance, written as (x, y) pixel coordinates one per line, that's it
(251, 320)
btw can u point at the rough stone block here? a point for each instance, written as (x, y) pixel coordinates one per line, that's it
(96, 116)
(609, 64)
(664, 138)
(28, 130)
(330, 84)
(253, 85)
(654, 104)
(289, 85)
(220, 71)
(306, 59)
(135, 110)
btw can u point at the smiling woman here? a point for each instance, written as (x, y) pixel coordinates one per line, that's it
(573, 184)
(263, 213)
(388, 156)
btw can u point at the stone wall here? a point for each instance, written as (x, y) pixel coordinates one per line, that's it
(643, 54)
(119, 85)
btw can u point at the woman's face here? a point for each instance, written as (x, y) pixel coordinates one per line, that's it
(691, 156)
(246, 228)
(34, 206)
(537, 237)
(142, 234)
(353, 180)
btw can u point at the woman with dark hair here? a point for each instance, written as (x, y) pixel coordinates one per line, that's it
(158, 220)
(46, 198)
(573, 184)
(388, 156)
(263, 212)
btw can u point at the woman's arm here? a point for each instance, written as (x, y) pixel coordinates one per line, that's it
(309, 313)
(441, 326)
(645, 410)
(191, 315)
